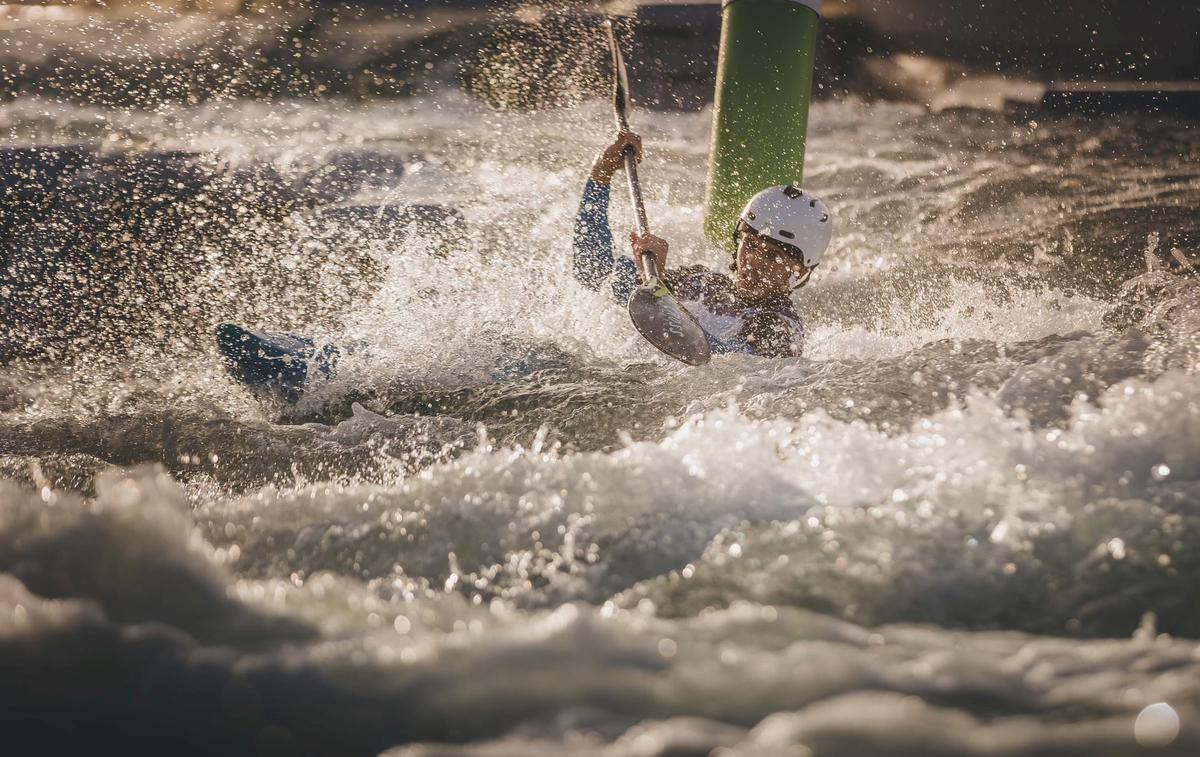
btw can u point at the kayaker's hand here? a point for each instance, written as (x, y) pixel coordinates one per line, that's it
(649, 243)
(613, 158)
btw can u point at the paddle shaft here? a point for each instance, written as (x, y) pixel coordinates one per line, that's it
(620, 101)
(655, 312)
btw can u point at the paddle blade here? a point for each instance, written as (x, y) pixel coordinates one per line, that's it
(665, 324)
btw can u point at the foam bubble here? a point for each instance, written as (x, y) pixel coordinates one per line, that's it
(1156, 726)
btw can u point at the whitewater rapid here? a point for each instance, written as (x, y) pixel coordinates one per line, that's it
(963, 524)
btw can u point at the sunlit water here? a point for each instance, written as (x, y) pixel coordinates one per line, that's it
(964, 523)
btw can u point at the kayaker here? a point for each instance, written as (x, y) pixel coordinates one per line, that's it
(781, 237)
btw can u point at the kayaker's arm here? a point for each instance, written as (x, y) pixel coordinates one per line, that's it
(593, 237)
(594, 260)
(774, 332)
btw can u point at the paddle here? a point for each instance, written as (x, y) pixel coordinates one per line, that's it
(653, 309)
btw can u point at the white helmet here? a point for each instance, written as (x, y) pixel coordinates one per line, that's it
(790, 218)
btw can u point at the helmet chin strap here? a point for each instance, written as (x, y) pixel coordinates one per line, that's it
(797, 281)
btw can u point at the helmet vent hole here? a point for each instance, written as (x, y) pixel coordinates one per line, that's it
(824, 217)
(750, 216)
(786, 234)
(792, 191)
(812, 204)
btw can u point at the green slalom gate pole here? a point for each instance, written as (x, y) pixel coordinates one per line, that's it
(760, 115)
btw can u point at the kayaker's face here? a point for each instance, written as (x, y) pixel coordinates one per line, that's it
(765, 270)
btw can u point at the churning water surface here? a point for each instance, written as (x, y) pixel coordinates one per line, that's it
(965, 523)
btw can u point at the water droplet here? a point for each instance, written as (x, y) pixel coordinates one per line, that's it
(1156, 726)
(1116, 548)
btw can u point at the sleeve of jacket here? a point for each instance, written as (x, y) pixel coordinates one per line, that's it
(593, 256)
(775, 333)
(594, 261)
